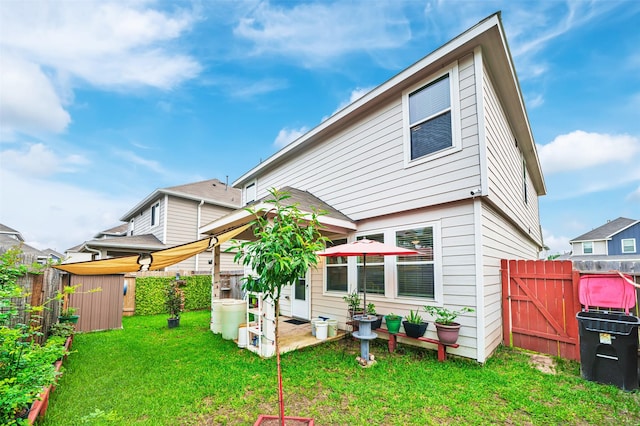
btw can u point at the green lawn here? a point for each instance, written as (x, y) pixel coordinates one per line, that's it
(149, 374)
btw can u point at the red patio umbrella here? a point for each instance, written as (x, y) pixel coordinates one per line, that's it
(363, 248)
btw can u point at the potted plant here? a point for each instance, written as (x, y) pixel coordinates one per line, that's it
(67, 313)
(447, 329)
(353, 304)
(414, 326)
(174, 302)
(393, 322)
(371, 310)
(285, 247)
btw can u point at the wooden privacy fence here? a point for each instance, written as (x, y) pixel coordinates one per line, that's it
(41, 289)
(539, 306)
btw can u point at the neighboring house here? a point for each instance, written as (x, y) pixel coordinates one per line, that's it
(617, 239)
(440, 157)
(165, 218)
(10, 238)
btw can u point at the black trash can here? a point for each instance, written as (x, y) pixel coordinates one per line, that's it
(609, 348)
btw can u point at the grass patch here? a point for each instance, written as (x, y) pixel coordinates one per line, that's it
(148, 374)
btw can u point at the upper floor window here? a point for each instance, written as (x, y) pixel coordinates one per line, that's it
(430, 114)
(587, 247)
(375, 269)
(416, 274)
(629, 245)
(336, 268)
(250, 193)
(132, 227)
(155, 214)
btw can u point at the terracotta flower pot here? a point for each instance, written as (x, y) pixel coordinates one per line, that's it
(448, 334)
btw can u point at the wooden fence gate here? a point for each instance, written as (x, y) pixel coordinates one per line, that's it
(539, 306)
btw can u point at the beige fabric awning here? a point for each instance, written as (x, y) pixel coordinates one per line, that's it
(149, 261)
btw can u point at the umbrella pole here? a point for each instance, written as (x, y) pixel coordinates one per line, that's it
(364, 287)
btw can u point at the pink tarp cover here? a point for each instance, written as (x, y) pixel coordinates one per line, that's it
(606, 291)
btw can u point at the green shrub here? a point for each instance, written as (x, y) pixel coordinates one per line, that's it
(197, 292)
(150, 294)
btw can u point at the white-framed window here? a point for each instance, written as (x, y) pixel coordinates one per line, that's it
(249, 192)
(375, 269)
(430, 117)
(628, 245)
(337, 270)
(155, 214)
(132, 227)
(587, 247)
(416, 275)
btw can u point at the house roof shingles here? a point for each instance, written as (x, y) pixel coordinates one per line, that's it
(607, 230)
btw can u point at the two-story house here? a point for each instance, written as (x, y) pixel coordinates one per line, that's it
(440, 156)
(167, 217)
(616, 239)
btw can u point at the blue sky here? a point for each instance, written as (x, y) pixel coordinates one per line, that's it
(101, 103)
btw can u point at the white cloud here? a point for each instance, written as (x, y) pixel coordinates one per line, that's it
(286, 136)
(29, 99)
(136, 160)
(635, 195)
(581, 150)
(50, 47)
(56, 215)
(317, 32)
(38, 160)
(556, 244)
(356, 94)
(536, 101)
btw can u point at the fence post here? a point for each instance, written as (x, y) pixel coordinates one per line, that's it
(506, 305)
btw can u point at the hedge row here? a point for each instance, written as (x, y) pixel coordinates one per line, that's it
(150, 294)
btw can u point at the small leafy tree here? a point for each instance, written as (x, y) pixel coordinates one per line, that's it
(174, 301)
(284, 249)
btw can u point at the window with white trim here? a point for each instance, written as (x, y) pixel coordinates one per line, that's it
(416, 274)
(132, 227)
(155, 214)
(587, 247)
(250, 191)
(430, 117)
(628, 245)
(375, 269)
(336, 269)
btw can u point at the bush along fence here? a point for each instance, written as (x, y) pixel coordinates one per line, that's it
(29, 364)
(150, 293)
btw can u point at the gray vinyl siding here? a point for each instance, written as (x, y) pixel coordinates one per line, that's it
(500, 240)
(360, 169)
(182, 228)
(504, 164)
(143, 221)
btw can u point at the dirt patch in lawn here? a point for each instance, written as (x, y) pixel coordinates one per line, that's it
(544, 363)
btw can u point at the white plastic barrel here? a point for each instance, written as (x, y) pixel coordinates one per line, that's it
(234, 313)
(216, 315)
(321, 330)
(332, 327)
